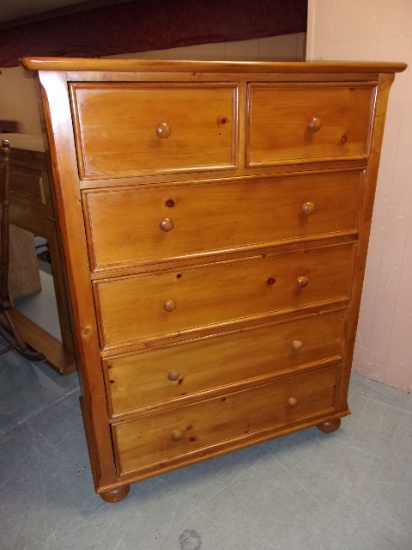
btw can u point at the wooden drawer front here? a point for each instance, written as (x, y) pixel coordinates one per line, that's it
(139, 307)
(306, 122)
(171, 373)
(203, 218)
(160, 437)
(128, 129)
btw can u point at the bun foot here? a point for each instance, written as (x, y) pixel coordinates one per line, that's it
(329, 426)
(116, 495)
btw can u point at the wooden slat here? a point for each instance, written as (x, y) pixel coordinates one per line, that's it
(43, 342)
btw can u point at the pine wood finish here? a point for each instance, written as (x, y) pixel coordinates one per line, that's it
(33, 208)
(24, 277)
(215, 220)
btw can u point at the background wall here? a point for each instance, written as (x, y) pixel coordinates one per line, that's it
(288, 47)
(18, 102)
(381, 30)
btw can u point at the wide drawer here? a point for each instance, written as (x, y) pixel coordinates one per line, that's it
(126, 129)
(150, 305)
(172, 222)
(165, 436)
(308, 122)
(172, 373)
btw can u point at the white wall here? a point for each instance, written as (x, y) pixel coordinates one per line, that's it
(380, 30)
(289, 47)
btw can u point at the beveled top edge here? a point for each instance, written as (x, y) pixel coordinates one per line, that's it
(149, 65)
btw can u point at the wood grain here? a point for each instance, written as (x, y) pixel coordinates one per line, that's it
(215, 221)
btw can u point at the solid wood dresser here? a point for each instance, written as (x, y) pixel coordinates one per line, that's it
(215, 220)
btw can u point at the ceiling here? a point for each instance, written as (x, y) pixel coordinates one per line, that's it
(19, 11)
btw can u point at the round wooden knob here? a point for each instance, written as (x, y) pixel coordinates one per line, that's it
(315, 125)
(169, 306)
(297, 345)
(177, 435)
(173, 375)
(163, 130)
(166, 225)
(308, 208)
(292, 402)
(302, 282)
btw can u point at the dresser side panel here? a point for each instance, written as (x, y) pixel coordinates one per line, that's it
(66, 182)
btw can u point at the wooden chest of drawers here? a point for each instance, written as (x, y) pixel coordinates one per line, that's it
(215, 220)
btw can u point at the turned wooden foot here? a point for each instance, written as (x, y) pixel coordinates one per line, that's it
(329, 426)
(116, 495)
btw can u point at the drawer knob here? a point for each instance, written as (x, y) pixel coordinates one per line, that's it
(166, 225)
(302, 282)
(292, 402)
(173, 375)
(297, 345)
(163, 130)
(169, 306)
(177, 435)
(315, 125)
(308, 208)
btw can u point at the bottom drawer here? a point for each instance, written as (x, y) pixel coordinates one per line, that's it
(165, 436)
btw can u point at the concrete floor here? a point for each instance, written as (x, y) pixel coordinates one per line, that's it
(348, 490)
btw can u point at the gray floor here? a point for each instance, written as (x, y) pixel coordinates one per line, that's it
(348, 490)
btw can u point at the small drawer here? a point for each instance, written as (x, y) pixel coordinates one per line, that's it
(219, 422)
(308, 122)
(152, 305)
(170, 374)
(124, 130)
(177, 221)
